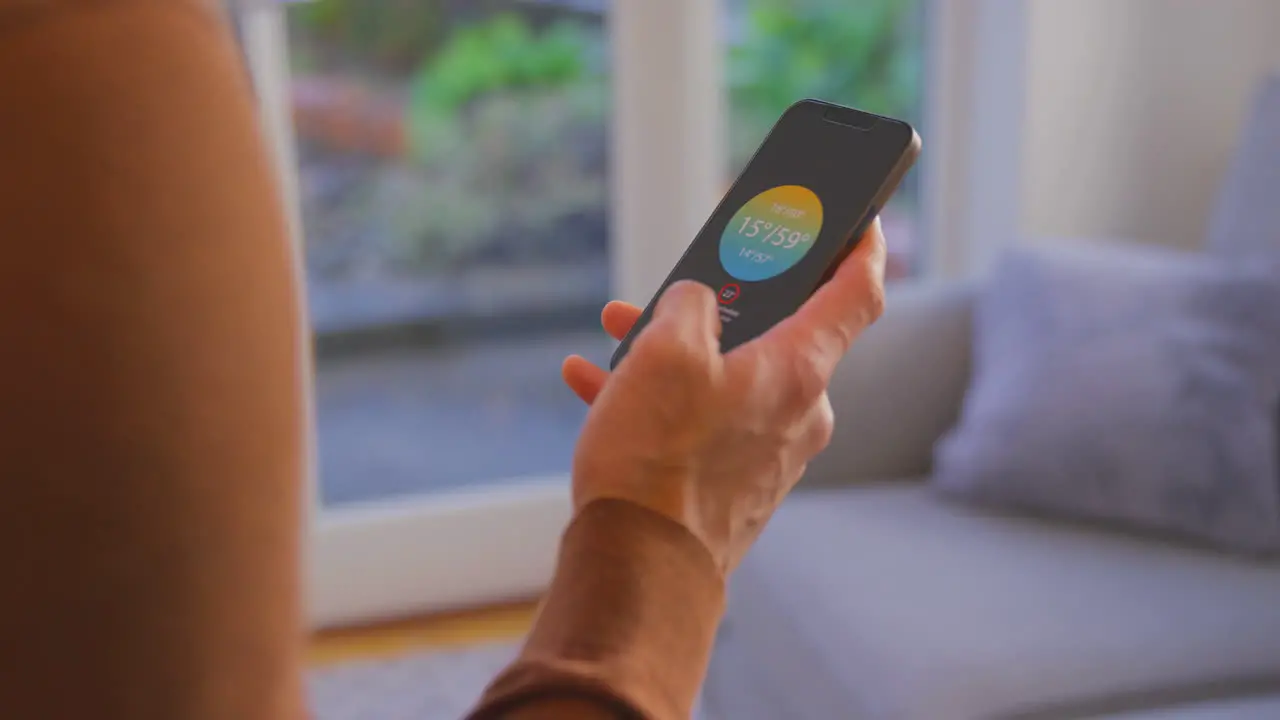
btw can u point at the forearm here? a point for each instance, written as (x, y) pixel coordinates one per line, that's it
(626, 628)
(150, 426)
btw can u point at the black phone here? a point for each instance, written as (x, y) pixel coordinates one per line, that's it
(798, 208)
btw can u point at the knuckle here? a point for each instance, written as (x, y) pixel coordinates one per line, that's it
(824, 425)
(875, 301)
(671, 355)
(808, 375)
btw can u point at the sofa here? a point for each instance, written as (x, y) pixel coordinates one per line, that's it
(870, 596)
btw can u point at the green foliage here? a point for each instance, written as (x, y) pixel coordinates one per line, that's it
(381, 36)
(865, 54)
(523, 164)
(502, 56)
(504, 124)
(507, 121)
(501, 53)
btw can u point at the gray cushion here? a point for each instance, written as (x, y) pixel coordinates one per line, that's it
(913, 366)
(1127, 384)
(885, 602)
(1246, 218)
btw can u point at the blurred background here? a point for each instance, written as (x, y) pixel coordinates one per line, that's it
(453, 160)
(1053, 491)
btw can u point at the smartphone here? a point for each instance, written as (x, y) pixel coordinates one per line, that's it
(798, 208)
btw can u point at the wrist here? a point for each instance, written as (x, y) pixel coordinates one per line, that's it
(631, 614)
(669, 492)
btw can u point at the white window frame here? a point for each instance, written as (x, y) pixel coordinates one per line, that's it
(973, 132)
(418, 554)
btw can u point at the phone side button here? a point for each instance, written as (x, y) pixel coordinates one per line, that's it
(849, 245)
(872, 213)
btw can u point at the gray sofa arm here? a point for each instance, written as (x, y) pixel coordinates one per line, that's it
(901, 386)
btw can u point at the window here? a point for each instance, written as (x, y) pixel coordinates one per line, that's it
(452, 171)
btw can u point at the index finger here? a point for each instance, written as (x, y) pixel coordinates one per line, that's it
(827, 323)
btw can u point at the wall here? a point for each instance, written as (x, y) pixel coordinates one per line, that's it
(1132, 110)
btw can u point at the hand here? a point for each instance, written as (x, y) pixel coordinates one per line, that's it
(716, 441)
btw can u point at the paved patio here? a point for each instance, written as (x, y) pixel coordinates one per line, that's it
(427, 419)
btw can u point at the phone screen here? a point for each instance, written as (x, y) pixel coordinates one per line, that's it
(798, 206)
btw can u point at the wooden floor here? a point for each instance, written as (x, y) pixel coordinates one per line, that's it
(491, 624)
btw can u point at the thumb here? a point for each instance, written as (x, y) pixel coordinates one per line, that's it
(687, 312)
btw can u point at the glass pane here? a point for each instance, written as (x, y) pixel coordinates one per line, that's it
(867, 54)
(452, 159)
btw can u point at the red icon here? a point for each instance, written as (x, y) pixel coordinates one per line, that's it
(729, 293)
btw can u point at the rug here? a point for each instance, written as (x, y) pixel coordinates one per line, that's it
(441, 685)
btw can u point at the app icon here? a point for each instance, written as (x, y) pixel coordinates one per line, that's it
(729, 293)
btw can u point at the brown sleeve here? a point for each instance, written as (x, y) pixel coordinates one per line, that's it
(626, 628)
(150, 414)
